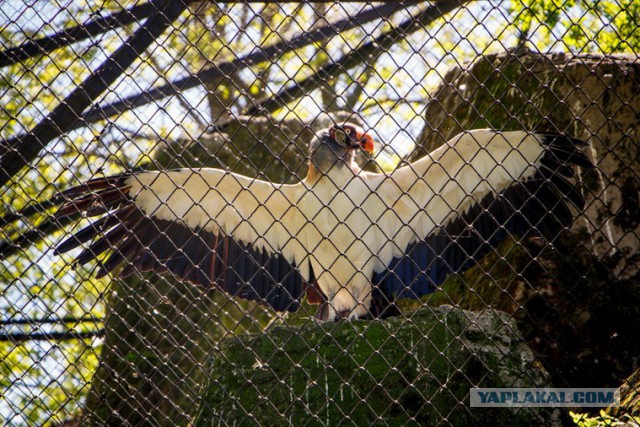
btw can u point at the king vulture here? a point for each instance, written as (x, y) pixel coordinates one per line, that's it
(352, 241)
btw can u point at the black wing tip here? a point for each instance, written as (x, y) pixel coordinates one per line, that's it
(101, 183)
(69, 204)
(566, 149)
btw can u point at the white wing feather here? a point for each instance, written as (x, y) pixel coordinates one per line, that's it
(258, 213)
(448, 181)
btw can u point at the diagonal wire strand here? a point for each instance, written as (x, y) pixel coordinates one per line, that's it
(20, 151)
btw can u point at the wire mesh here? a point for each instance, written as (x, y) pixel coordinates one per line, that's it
(369, 287)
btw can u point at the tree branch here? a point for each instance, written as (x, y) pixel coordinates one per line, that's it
(27, 239)
(20, 151)
(355, 57)
(51, 336)
(48, 320)
(227, 68)
(78, 33)
(72, 35)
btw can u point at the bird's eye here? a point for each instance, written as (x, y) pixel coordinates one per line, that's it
(348, 131)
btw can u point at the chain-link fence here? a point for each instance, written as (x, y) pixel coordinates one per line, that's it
(341, 243)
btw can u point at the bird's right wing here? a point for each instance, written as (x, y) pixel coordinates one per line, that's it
(206, 226)
(460, 201)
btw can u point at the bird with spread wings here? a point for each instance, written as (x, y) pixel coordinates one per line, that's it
(350, 240)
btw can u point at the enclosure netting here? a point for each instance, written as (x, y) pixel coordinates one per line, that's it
(100, 88)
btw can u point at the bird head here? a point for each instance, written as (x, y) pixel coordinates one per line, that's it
(335, 148)
(352, 137)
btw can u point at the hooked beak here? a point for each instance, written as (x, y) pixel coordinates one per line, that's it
(366, 142)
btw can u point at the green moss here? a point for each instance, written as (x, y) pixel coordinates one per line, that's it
(404, 370)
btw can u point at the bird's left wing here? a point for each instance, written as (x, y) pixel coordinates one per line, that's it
(453, 206)
(206, 226)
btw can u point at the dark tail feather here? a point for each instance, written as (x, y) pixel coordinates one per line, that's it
(86, 234)
(97, 184)
(101, 245)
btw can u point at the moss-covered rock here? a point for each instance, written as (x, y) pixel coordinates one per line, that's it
(416, 369)
(580, 320)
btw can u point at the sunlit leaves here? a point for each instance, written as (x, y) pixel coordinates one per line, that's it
(43, 381)
(578, 25)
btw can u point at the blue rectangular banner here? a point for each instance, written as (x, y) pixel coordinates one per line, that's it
(543, 397)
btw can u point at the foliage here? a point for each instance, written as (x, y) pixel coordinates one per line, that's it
(43, 380)
(36, 285)
(601, 420)
(402, 370)
(579, 25)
